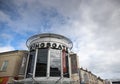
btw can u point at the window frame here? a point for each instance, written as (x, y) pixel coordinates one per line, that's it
(50, 61)
(28, 73)
(36, 59)
(4, 66)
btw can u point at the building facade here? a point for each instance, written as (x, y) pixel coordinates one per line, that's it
(49, 60)
(100, 81)
(10, 66)
(74, 67)
(86, 77)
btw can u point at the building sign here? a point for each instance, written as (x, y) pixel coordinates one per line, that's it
(47, 45)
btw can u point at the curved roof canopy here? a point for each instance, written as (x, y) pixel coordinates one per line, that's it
(49, 37)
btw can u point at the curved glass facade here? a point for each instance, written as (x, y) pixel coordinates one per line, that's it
(48, 63)
(48, 56)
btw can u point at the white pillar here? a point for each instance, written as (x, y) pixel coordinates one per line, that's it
(48, 63)
(34, 69)
(27, 64)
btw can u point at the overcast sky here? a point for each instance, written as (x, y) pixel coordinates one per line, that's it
(92, 25)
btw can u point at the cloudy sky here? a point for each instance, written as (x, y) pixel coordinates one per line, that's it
(92, 25)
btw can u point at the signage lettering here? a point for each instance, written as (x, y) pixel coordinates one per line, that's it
(42, 45)
(48, 45)
(54, 45)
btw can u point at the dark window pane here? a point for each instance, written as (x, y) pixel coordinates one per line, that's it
(74, 63)
(55, 62)
(30, 64)
(41, 65)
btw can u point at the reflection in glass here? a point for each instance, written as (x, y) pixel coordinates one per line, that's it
(4, 66)
(23, 65)
(30, 64)
(41, 65)
(55, 62)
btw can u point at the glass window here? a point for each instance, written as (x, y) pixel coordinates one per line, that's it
(4, 65)
(86, 78)
(55, 62)
(41, 65)
(23, 65)
(30, 64)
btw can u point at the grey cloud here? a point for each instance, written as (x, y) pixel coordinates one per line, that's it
(34, 14)
(96, 31)
(9, 8)
(105, 63)
(66, 7)
(105, 15)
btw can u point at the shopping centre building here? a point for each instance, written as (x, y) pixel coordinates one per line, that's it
(49, 60)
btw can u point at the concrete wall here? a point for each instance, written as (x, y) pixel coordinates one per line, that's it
(89, 78)
(100, 81)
